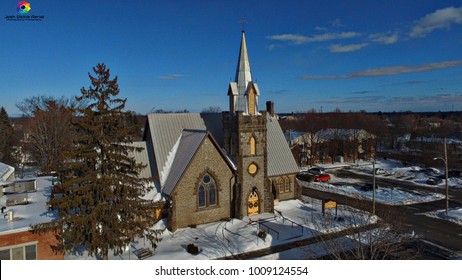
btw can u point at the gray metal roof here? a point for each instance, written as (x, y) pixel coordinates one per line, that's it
(190, 141)
(142, 157)
(166, 129)
(280, 158)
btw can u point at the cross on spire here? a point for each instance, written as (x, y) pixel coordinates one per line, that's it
(243, 22)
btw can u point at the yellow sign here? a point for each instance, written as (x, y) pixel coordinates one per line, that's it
(330, 204)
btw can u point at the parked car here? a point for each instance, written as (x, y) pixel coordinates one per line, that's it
(379, 171)
(453, 173)
(434, 181)
(324, 177)
(316, 170)
(307, 177)
(369, 187)
(430, 171)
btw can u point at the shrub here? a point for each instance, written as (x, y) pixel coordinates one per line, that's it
(192, 249)
(261, 234)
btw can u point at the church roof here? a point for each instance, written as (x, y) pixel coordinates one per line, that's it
(189, 143)
(142, 157)
(280, 158)
(166, 130)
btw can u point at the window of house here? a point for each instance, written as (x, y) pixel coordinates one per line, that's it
(207, 192)
(19, 252)
(252, 146)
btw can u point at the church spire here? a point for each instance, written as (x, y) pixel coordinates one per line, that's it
(243, 74)
(243, 92)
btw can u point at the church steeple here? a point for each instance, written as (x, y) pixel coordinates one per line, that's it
(243, 92)
(243, 74)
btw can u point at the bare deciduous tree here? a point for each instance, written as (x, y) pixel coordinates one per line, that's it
(387, 238)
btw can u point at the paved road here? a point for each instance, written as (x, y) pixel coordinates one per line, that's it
(438, 231)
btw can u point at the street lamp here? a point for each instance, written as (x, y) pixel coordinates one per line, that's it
(445, 160)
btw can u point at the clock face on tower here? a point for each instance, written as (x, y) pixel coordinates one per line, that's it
(252, 168)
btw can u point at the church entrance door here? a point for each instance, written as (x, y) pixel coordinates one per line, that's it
(253, 205)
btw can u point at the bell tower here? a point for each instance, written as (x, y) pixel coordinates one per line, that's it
(245, 140)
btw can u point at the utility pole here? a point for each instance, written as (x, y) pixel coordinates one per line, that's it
(373, 186)
(445, 159)
(446, 175)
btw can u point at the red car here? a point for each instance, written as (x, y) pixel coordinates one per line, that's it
(322, 178)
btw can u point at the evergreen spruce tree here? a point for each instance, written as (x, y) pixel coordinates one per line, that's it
(7, 139)
(103, 210)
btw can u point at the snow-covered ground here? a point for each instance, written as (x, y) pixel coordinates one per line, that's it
(293, 220)
(419, 175)
(388, 194)
(454, 215)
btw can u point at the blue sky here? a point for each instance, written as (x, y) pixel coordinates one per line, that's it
(354, 55)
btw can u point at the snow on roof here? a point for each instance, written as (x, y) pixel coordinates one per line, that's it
(5, 172)
(34, 212)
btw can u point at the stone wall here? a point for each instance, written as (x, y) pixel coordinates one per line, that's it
(185, 211)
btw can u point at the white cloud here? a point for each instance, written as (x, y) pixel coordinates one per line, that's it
(346, 48)
(301, 39)
(389, 71)
(171, 76)
(385, 39)
(440, 19)
(337, 23)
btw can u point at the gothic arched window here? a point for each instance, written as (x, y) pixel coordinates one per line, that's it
(286, 184)
(280, 184)
(207, 194)
(201, 196)
(253, 148)
(251, 97)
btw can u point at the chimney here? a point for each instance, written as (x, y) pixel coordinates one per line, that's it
(270, 108)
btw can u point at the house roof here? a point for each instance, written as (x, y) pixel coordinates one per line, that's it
(280, 158)
(34, 212)
(5, 172)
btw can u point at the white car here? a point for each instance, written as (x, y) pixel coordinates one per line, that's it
(379, 171)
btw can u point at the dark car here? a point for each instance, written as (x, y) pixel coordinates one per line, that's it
(434, 181)
(453, 173)
(368, 187)
(430, 171)
(307, 177)
(316, 170)
(324, 177)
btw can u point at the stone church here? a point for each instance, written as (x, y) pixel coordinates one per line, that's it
(216, 166)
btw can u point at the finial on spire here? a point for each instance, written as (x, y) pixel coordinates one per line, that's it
(243, 22)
